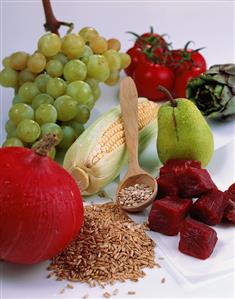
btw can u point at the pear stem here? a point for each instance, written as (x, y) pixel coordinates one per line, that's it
(167, 92)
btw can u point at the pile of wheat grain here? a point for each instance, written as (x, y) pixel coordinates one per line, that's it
(110, 247)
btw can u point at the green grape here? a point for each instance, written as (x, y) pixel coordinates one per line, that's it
(26, 76)
(86, 53)
(8, 77)
(69, 136)
(10, 129)
(49, 44)
(60, 57)
(19, 112)
(54, 129)
(96, 93)
(83, 114)
(73, 45)
(114, 44)
(36, 63)
(60, 154)
(54, 68)
(87, 33)
(16, 99)
(6, 61)
(113, 78)
(41, 82)
(90, 103)
(50, 154)
(94, 84)
(28, 130)
(28, 91)
(114, 60)
(56, 87)
(42, 98)
(125, 60)
(66, 107)
(98, 44)
(80, 91)
(13, 141)
(98, 68)
(75, 70)
(18, 61)
(45, 113)
(78, 128)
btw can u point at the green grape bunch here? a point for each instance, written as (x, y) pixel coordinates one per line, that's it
(57, 86)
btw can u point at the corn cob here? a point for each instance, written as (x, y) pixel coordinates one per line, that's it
(95, 159)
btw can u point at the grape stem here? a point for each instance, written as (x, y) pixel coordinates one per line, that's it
(52, 24)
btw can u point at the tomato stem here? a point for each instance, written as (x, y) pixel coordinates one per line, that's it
(45, 144)
(167, 92)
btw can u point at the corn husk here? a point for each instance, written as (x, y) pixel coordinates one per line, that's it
(95, 159)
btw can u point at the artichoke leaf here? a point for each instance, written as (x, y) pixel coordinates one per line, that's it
(230, 69)
(225, 96)
(221, 79)
(213, 70)
(218, 90)
(230, 107)
(231, 81)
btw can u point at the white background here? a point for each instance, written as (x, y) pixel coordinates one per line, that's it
(207, 23)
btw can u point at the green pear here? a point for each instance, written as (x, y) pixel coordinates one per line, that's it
(183, 133)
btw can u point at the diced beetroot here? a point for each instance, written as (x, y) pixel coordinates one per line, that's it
(193, 182)
(230, 193)
(167, 215)
(229, 212)
(197, 239)
(167, 185)
(173, 165)
(209, 208)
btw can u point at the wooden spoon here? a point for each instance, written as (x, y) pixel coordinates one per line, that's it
(135, 174)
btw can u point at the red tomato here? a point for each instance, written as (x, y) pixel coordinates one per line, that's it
(148, 76)
(136, 56)
(183, 60)
(182, 80)
(161, 55)
(148, 39)
(198, 61)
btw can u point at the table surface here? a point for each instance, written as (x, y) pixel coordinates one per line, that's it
(209, 24)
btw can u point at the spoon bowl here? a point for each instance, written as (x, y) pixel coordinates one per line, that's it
(139, 178)
(135, 174)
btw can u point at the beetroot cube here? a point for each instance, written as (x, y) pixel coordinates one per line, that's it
(167, 214)
(193, 182)
(167, 185)
(230, 193)
(197, 239)
(174, 165)
(209, 208)
(229, 212)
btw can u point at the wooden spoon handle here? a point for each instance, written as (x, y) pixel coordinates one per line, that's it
(129, 109)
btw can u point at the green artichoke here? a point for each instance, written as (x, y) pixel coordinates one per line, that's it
(214, 91)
